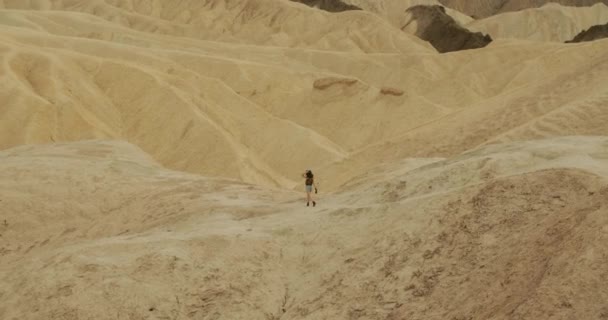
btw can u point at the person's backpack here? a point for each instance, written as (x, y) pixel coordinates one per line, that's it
(309, 178)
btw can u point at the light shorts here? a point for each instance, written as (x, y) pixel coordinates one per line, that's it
(309, 188)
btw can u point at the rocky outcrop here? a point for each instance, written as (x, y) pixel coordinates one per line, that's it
(329, 5)
(324, 83)
(594, 33)
(434, 25)
(391, 91)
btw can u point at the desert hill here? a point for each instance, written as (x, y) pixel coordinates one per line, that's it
(151, 153)
(79, 79)
(165, 244)
(551, 22)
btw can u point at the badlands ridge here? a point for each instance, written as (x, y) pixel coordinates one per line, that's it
(151, 153)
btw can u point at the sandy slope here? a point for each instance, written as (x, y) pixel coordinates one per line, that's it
(108, 234)
(569, 102)
(81, 87)
(469, 185)
(209, 99)
(551, 22)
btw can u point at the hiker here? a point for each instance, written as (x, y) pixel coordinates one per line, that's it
(310, 183)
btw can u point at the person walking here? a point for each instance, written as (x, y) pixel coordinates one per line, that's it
(310, 184)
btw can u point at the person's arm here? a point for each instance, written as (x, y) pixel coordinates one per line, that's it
(314, 184)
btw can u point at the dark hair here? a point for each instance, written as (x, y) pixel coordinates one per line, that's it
(309, 174)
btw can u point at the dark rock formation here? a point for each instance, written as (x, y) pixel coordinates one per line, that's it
(443, 32)
(329, 5)
(594, 33)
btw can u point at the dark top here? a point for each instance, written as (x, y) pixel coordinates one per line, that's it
(310, 181)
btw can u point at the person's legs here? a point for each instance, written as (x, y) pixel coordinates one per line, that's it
(308, 192)
(310, 197)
